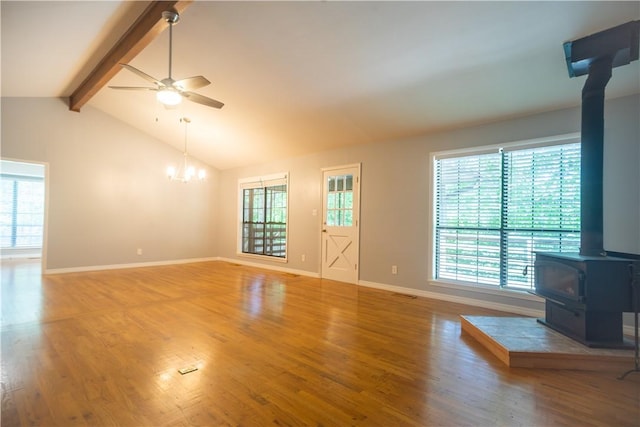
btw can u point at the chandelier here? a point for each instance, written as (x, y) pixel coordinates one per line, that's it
(185, 172)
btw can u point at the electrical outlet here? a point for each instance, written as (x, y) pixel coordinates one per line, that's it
(303, 257)
(394, 269)
(139, 251)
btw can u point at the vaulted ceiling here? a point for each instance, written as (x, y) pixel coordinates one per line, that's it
(302, 77)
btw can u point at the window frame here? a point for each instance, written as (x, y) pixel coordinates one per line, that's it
(20, 171)
(255, 182)
(471, 151)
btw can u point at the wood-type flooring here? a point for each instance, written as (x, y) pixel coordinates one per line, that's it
(104, 348)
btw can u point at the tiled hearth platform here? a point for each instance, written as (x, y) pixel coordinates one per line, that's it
(522, 342)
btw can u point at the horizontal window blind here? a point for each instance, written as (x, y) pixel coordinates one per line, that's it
(541, 206)
(21, 211)
(494, 209)
(468, 200)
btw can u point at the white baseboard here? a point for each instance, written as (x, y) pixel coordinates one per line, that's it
(626, 329)
(456, 299)
(123, 266)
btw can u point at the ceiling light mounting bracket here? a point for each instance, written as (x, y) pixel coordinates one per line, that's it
(171, 16)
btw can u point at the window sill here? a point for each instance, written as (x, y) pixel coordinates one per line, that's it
(486, 289)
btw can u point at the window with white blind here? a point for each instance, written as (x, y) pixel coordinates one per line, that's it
(264, 216)
(495, 207)
(21, 211)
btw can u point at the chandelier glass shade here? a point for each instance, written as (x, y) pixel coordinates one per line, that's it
(185, 172)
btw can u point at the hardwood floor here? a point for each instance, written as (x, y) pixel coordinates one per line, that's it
(104, 348)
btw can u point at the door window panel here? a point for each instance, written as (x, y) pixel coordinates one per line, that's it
(340, 201)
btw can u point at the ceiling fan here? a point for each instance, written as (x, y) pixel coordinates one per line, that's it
(169, 91)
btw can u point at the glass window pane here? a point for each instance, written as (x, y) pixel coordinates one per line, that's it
(348, 218)
(331, 218)
(348, 202)
(331, 201)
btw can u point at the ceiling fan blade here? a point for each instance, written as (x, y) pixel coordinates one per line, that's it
(191, 83)
(200, 99)
(142, 74)
(133, 88)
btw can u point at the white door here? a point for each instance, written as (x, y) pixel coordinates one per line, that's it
(340, 226)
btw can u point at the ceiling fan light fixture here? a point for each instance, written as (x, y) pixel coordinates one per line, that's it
(169, 96)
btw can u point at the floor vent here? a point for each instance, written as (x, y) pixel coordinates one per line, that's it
(187, 370)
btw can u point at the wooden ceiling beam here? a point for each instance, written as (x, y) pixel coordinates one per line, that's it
(146, 28)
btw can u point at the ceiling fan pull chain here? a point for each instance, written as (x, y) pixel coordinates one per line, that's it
(186, 123)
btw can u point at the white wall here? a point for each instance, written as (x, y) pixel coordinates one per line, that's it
(108, 194)
(395, 196)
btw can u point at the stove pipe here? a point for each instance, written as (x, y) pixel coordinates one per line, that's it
(596, 55)
(592, 155)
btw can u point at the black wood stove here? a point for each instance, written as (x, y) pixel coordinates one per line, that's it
(587, 293)
(586, 296)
